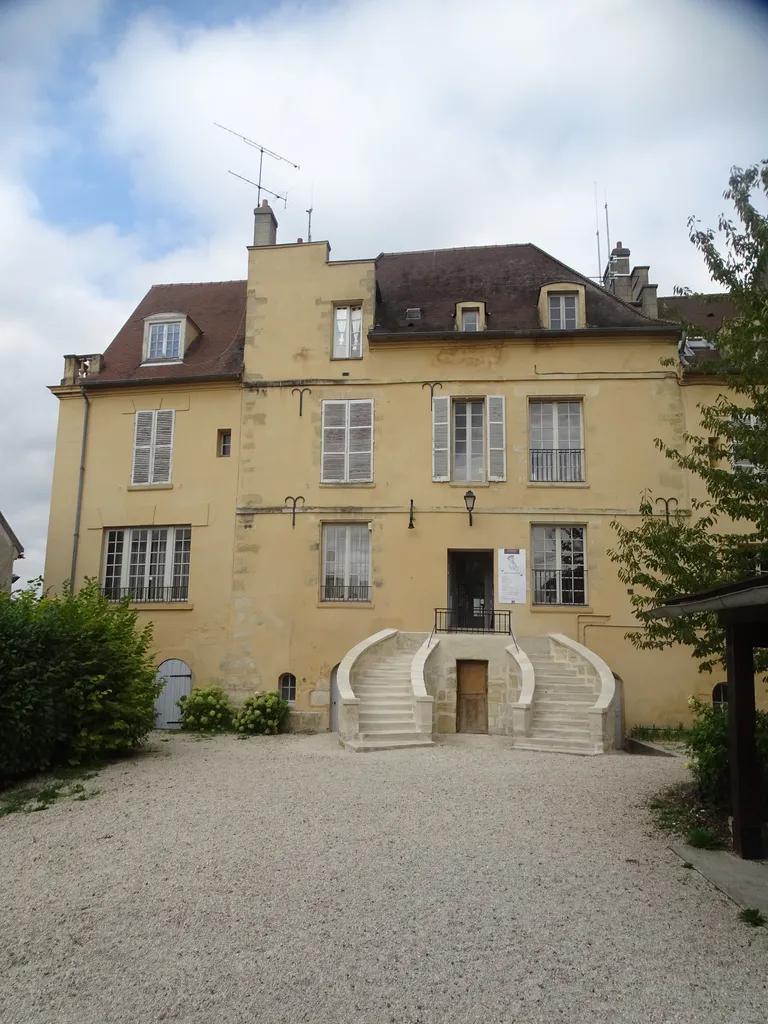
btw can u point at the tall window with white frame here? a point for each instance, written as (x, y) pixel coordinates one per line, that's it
(559, 565)
(563, 311)
(556, 441)
(346, 562)
(469, 440)
(739, 457)
(348, 332)
(470, 319)
(147, 564)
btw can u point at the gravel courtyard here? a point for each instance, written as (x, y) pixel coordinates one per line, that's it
(282, 880)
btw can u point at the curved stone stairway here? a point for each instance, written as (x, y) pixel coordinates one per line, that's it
(382, 682)
(564, 693)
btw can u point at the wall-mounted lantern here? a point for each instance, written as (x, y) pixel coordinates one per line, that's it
(469, 501)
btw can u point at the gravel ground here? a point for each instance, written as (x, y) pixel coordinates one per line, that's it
(281, 880)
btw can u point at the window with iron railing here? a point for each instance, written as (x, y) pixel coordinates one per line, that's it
(559, 569)
(147, 564)
(556, 441)
(346, 562)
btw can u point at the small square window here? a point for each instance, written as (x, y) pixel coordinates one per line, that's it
(164, 341)
(224, 444)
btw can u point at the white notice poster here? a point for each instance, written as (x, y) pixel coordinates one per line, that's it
(511, 576)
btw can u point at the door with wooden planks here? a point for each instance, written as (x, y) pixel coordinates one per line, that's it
(471, 696)
(176, 677)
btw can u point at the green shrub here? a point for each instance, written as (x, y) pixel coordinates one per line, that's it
(263, 713)
(206, 710)
(77, 680)
(708, 746)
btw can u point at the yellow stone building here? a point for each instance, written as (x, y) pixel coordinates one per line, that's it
(385, 486)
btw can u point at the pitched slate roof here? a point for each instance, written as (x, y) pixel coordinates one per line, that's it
(706, 311)
(507, 278)
(217, 308)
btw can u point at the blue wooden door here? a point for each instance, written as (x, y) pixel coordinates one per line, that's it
(177, 679)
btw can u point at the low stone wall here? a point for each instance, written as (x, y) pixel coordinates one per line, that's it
(504, 680)
(307, 721)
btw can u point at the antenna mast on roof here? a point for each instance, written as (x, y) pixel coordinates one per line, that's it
(597, 236)
(607, 230)
(262, 150)
(309, 223)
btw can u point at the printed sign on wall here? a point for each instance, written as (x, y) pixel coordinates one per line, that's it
(511, 576)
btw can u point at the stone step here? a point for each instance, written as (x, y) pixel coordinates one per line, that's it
(557, 732)
(363, 746)
(555, 746)
(369, 690)
(556, 697)
(388, 700)
(547, 716)
(377, 711)
(388, 728)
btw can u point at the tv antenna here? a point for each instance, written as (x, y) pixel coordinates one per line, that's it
(309, 223)
(283, 196)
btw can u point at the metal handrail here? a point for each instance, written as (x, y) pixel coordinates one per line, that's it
(464, 620)
(353, 592)
(560, 586)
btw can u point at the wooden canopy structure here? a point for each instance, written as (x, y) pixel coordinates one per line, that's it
(742, 609)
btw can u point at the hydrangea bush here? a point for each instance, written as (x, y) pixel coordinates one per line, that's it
(262, 713)
(206, 710)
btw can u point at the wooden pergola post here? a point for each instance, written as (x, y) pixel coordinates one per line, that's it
(746, 795)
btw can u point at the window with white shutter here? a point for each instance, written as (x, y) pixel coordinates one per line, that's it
(153, 446)
(347, 442)
(469, 443)
(147, 563)
(441, 438)
(497, 438)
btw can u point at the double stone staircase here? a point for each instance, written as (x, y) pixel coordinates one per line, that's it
(386, 695)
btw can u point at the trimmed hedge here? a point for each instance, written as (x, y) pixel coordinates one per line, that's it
(77, 680)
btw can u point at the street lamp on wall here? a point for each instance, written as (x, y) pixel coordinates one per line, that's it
(469, 501)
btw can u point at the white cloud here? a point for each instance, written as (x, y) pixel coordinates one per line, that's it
(417, 123)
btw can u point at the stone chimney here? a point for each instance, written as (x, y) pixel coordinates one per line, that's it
(633, 287)
(264, 225)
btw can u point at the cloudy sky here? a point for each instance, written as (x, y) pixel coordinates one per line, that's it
(417, 124)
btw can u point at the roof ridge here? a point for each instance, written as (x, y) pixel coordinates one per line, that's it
(457, 248)
(198, 284)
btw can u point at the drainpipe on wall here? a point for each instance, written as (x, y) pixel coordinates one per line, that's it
(80, 482)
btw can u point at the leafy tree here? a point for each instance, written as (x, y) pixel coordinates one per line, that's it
(77, 679)
(726, 538)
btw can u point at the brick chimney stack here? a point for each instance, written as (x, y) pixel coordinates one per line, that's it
(264, 225)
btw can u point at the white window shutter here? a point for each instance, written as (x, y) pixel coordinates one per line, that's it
(441, 438)
(162, 453)
(497, 438)
(360, 442)
(142, 447)
(333, 462)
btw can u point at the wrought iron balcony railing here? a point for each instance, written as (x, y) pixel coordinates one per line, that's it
(560, 586)
(354, 592)
(150, 593)
(556, 465)
(466, 620)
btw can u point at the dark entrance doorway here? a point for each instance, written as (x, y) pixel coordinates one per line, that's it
(470, 590)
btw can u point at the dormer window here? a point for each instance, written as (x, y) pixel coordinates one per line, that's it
(562, 306)
(164, 338)
(470, 319)
(564, 312)
(470, 316)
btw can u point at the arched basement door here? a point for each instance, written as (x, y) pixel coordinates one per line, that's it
(177, 679)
